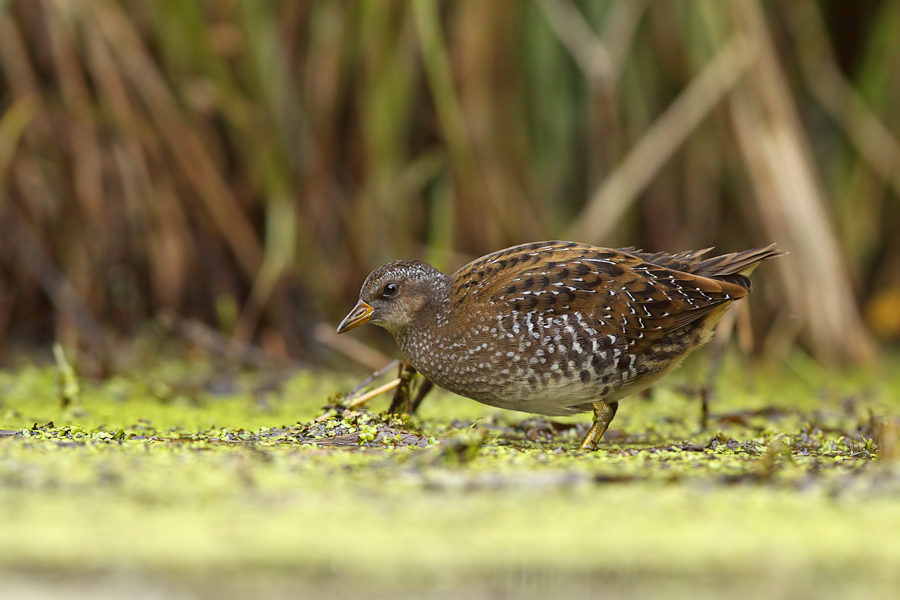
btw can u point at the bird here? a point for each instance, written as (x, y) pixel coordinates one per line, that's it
(555, 328)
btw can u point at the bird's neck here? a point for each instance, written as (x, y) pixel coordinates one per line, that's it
(427, 322)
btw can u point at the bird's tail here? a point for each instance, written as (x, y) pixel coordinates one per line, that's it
(736, 267)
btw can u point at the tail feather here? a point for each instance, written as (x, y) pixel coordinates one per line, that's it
(736, 267)
(685, 261)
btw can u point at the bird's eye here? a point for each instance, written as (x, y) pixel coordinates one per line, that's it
(390, 290)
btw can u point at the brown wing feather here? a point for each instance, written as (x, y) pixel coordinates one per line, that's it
(635, 294)
(686, 261)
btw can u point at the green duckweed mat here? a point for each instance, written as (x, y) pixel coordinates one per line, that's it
(194, 482)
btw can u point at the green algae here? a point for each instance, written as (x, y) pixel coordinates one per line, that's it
(787, 483)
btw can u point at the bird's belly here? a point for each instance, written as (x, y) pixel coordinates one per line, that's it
(551, 394)
(552, 401)
(561, 387)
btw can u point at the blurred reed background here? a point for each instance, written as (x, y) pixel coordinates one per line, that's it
(236, 167)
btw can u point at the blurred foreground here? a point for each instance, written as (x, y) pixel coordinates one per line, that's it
(161, 485)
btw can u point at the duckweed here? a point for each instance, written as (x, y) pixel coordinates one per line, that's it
(790, 482)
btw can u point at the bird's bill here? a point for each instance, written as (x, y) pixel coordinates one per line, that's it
(360, 314)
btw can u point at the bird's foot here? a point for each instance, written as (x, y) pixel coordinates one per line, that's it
(603, 416)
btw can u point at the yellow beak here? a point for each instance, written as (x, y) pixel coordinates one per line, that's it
(360, 314)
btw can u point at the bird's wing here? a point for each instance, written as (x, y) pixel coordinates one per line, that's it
(622, 292)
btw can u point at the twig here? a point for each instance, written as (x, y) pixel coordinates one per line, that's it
(379, 390)
(206, 337)
(573, 31)
(836, 94)
(392, 365)
(616, 194)
(771, 138)
(350, 347)
(65, 298)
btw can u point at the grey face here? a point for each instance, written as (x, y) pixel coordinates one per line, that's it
(394, 296)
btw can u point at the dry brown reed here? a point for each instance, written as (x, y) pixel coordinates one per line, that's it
(246, 163)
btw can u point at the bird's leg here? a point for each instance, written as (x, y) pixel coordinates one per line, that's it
(424, 387)
(603, 416)
(403, 401)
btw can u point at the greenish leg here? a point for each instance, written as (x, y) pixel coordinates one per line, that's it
(603, 416)
(403, 401)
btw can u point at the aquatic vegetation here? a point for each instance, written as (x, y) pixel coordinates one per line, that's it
(789, 479)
